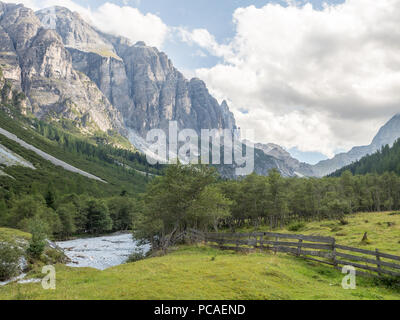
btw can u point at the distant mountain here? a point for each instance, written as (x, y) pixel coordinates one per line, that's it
(387, 159)
(288, 165)
(387, 135)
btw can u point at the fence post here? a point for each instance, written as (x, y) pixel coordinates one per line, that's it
(275, 246)
(299, 248)
(378, 259)
(334, 253)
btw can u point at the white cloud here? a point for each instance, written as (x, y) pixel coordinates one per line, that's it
(110, 18)
(320, 80)
(130, 23)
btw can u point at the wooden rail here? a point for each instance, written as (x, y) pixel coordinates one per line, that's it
(308, 247)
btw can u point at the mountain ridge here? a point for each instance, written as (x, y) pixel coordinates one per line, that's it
(386, 135)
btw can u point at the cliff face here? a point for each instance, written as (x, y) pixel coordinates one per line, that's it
(140, 81)
(37, 62)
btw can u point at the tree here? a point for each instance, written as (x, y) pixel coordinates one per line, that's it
(122, 212)
(277, 192)
(177, 201)
(38, 228)
(67, 214)
(10, 256)
(98, 217)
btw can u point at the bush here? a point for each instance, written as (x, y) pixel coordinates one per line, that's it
(9, 260)
(297, 226)
(136, 256)
(38, 242)
(388, 282)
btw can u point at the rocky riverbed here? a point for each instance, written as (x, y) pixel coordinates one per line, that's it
(101, 252)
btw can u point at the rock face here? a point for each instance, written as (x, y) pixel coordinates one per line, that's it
(387, 135)
(140, 81)
(36, 61)
(287, 165)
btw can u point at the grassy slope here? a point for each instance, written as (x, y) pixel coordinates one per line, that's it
(9, 235)
(205, 273)
(193, 273)
(118, 178)
(380, 235)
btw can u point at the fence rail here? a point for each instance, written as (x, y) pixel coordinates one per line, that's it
(308, 247)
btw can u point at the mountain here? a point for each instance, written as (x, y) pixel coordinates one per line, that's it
(387, 159)
(69, 70)
(387, 135)
(138, 80)
(36, 61)
(287, 165)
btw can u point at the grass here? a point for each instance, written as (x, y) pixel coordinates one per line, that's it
(199, 272)
(118, 178)
(383, 230)
(11, 235)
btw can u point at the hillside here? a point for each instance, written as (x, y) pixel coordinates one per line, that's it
(69, 182)
(386, 135)
(387, 159)
(383, 230)
(101, 161)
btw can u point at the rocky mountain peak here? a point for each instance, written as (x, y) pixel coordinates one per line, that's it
(75, 31)
(389, 133)
(140, 44)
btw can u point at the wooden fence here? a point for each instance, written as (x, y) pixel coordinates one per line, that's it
(315, 248)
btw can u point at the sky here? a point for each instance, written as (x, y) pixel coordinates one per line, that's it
(317, 77)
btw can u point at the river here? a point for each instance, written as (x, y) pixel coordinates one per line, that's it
(101, 252)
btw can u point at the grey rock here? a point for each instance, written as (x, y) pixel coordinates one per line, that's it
(287, 165)
(47, 77)
(140, 81)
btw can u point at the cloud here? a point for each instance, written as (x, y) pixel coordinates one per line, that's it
(130, 23)
(110, 18)
(321, 80)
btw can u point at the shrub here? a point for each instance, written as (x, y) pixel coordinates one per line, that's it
(9, 260)
(38, 242)
(136, 256)
(296, 226)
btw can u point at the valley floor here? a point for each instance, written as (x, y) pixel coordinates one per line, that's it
(200, 272)
(203, 273)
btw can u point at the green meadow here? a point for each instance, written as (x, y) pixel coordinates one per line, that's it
(200, 272)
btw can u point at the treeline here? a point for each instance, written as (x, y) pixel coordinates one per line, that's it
(69, 215)
(100, 149)
(256, 199)
(194, 197)
(385, 160)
